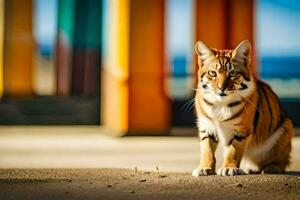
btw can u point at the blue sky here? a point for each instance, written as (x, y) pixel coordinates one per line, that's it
(179, 17)
(278, 27)
(45, 21)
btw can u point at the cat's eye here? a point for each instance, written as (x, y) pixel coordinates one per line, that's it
(212, 73)
(232, 73)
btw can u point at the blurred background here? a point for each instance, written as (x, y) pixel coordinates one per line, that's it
(129, 65)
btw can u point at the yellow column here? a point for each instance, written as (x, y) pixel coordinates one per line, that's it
(18, 59)
(1, 44)
(149, 110)
(134, 100)
(115, 68)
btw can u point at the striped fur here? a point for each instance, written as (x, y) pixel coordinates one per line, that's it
(242, 113)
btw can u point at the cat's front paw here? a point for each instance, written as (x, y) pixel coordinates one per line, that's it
(228, 171)
(203, 172)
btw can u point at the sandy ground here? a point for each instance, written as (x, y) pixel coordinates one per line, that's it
(108, 184)
(86, 164)
(89, 147)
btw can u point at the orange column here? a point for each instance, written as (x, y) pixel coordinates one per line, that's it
(134, 101)
(211, 22)
(211, 25)
(225, 23)
(241, 19)
(149, 110)
(19, 47)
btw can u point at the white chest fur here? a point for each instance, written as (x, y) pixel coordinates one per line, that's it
(218, 124)
(220, 111)
(225, 131)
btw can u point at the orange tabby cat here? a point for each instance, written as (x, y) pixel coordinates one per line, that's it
(239, 111)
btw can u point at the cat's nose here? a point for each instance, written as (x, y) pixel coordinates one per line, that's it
(222, 87)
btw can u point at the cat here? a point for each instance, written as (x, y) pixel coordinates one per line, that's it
(239, 111)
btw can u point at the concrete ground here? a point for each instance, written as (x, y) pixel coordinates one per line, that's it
(102, 167)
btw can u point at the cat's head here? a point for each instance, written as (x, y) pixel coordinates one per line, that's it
(224, 74)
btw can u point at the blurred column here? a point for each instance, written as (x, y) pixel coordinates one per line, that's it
(87, 42)
(224, 23)
(134, 101)
(64, 47)
(45, 33)
(241, 23)
(1, 45)
(19, 48)
(211, 22)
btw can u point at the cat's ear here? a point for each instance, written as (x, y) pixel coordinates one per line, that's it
(241, 53)
(203, 52)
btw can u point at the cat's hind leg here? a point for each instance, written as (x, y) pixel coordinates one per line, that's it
(278, 158)
(273, 169)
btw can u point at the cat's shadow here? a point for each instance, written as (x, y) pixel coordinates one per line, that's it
(293, 173)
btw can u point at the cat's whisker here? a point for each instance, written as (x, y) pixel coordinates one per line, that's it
(188, 105)
(201, 90)
(245, 108)
(249, 101)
